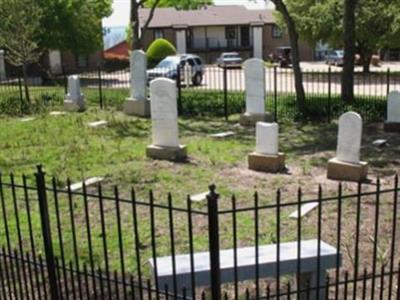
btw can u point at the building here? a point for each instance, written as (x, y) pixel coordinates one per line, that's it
(119, 51)
(214, 29)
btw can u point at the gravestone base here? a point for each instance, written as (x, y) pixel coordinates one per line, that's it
(391, 126)
(72, 106)
(340, 170)
(266, 163)
(140, 108)
(248, 119)
(167, 153)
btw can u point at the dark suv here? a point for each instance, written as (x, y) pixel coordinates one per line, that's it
(168, 68)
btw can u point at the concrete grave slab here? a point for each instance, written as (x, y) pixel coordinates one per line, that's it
(304, 210)
(97, 124)
(88, 182)
(223, 134)
(199, 197)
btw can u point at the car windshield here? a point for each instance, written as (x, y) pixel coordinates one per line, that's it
(231, 56)
(169, 62)
(338, 53)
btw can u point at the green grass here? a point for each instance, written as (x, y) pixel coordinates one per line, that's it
(69, 149)
(198, 102)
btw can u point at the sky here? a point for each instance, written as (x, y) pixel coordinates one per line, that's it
(120, 16)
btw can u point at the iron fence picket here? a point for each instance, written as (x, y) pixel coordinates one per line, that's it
(19, 276)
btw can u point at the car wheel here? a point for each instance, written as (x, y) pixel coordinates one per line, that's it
(197, 79)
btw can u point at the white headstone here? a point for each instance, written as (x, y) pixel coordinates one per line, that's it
(349, 137)
(74, 89)
(2, 66)
(258, 41)
(164, 112)
(267, 138)
(393, 107)
(138, 64)
(255, 86)
(55, 62)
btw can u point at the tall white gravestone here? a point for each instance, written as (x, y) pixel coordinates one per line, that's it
(74, 100)
(255, 92)
(2, 66)
(347, 165)
(138, 104)
(164, 120)
(392, 123)
(267, 157)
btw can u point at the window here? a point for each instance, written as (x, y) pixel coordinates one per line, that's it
(198, 61)
(276, 32)
(230, 32)
(245, 36)
(82, 61)
(158, 34)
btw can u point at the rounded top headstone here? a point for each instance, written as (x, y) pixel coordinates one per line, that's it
(255, 86)
(393, 107)
(164, 112)
(253, 62)
(162, 82)
(349, 137)
(267, 138)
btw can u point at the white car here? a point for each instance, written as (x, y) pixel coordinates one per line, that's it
(168, 68)
(229, 59)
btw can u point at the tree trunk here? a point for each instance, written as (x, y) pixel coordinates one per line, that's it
(294, 43)
(26, 88)
(366, 61)
(349, 35)
(136, 43)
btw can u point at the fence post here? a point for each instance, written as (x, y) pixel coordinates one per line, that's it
(388, 82)
(21, 97)
(179, 86)
(213, 237)
(275, 95)
(64, 79)
(329, 93)
(225, 93)
(100, 88)
(46, 232)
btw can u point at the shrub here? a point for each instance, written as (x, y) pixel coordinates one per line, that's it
(158, 50)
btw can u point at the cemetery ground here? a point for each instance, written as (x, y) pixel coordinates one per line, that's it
(68, 147)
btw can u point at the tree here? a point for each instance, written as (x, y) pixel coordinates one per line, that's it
(377, 24)
(73, 24)
(20, 29)
(349, 39)
(135, 22)
(182, 4)
(294, 43)
(382, 16)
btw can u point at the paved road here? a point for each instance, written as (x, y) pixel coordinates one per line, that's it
(316, 82)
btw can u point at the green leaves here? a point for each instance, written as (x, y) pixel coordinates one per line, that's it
(20, 30)
(74, 24)
(180, 4)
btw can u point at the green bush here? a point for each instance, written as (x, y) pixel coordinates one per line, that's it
(158, 50)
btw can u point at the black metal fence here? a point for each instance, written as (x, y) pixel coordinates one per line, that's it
(100, 243)
(220, 92)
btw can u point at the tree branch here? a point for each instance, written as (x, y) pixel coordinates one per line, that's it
(151, 15)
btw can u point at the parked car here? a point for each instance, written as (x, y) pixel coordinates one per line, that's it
(229, 59)
(282, 56)
(168, 68)
(335, 57)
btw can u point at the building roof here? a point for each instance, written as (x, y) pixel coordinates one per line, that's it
(209, 15)
(118, 51)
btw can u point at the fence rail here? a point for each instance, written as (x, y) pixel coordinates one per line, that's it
(221, 92)
(99, 243)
